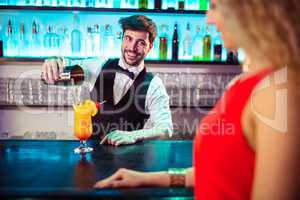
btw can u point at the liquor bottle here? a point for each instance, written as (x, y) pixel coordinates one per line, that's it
(163, 44)
(63, 3)
(180, 4)
(132, 4)
(106, 4)
(35, 40)
(191, 5)
(157, 4)
(241, 55)
(187, 43)
(203, 4)
(90, 3)
(54, 3)
(39, 2)
(47, 2)
(1, 42)
(64, 40)
(108, 41)
(77, 3)
(124, 4)
(87, 3)
(117, 4)
(47, 40)
(55, 42)
(198, 45)
(89, 42)
(27, 2)
(118, 43)
(170, 4)
(143, 4)
(218, 47)
(10, 48)
(71, 72)
(175, 43)
(97, 41)
(12, 2)
(207, 46)
(3, 2)
(23, 42)
(76, 37)
(232, 57)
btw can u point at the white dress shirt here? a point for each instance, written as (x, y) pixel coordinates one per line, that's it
(157, 99)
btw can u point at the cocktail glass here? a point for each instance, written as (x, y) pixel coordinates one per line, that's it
(83, 127)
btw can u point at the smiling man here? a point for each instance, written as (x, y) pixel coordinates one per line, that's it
(132, 95)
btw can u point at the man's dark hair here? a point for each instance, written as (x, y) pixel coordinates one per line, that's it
(139, 23)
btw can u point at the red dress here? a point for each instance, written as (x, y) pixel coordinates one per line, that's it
(223, 160)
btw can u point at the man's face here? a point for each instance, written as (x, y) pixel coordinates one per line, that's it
(135, 46)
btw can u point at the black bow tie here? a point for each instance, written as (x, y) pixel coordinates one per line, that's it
(127, 72)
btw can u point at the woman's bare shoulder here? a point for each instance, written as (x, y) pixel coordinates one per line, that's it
(274, 110)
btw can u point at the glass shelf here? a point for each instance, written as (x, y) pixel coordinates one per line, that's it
(91, 9)
(188, 62)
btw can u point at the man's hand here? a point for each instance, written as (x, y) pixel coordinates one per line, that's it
(117, 137)
(123, 178)
(52, 68)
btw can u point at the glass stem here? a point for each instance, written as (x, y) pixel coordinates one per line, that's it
(82, 144)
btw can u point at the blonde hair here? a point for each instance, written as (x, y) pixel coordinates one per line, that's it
(267, 30)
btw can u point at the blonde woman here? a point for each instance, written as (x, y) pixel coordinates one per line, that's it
(257, 154)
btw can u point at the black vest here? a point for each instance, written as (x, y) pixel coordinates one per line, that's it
(129, 113)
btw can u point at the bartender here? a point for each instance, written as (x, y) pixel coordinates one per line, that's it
(136, 104)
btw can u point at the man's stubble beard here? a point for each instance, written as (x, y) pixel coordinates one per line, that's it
(138, 62)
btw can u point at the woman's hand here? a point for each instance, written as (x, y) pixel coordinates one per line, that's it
(123, 178)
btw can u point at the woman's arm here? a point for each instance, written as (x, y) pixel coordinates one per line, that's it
(189, 179)
(162, 179)
(125, 178)
(276, 116)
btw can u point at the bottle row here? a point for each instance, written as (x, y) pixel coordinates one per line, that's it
(42, 40)
(134, 4)
(175, 41)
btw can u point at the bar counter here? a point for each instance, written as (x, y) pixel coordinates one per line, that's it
(50, 168)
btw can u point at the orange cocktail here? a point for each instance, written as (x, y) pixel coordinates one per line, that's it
(83, 127)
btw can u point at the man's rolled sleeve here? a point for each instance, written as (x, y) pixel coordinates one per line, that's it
(157, 105)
